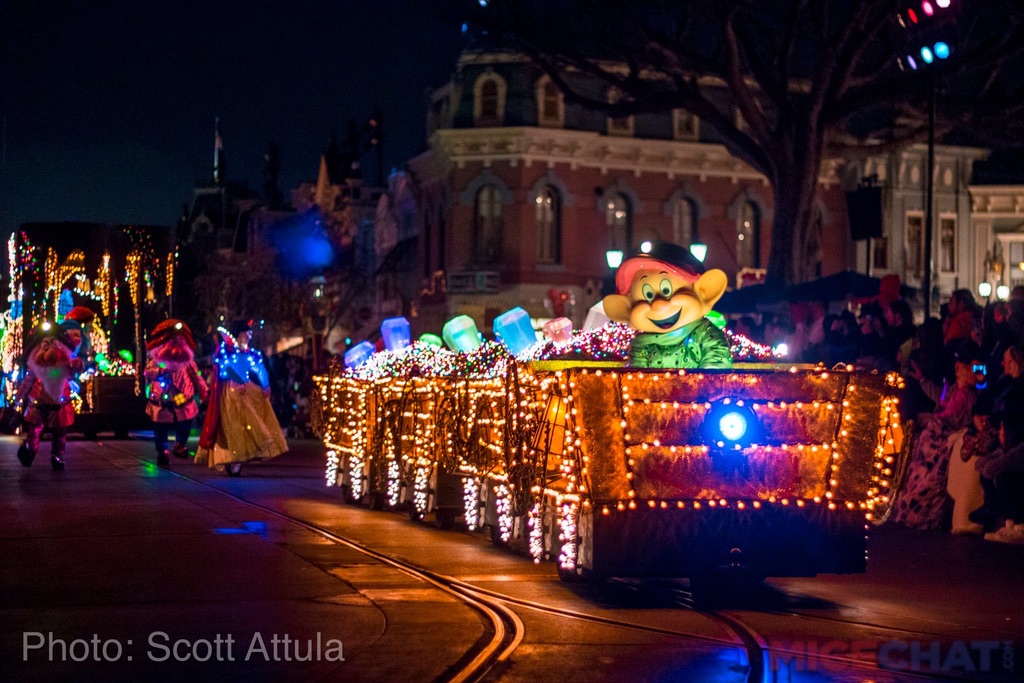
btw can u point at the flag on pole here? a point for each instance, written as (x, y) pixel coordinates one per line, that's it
(218, 148)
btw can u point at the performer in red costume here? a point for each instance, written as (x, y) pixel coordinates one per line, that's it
(173, 385)
(46, 393)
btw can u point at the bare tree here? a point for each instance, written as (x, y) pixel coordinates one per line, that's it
(808, 78)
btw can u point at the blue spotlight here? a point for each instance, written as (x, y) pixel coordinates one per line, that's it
(941, 50)
(733, 425)
(927, 55)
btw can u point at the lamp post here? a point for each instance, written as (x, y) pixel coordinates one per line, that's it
(985, 290)
(699, 251)
(614, 259)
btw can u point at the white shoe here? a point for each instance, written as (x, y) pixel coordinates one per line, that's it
(1010, 533)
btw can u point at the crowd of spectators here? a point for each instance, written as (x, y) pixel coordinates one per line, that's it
(963, 401)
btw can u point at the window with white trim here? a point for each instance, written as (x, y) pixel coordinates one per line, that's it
(489, 100)
(685, 126)
(550, 103)
(619, 125)
(947, 244)
(915, 245)
(619, 219)
(487, 227)
(684, 222)
(549, 226)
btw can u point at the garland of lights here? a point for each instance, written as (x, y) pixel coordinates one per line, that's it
(499, 430)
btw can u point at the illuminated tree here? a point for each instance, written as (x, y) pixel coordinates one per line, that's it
(786, 83)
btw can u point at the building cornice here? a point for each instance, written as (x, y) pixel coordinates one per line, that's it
(997, 201)
(528, 145)
(525, 145)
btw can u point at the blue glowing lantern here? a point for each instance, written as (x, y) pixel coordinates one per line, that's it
(460, 334)
(558, 330)
(514, 329)
(358, 354)
(732, 424)
(431, 339)
(397, 333)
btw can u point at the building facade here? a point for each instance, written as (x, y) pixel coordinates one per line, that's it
(522, 193)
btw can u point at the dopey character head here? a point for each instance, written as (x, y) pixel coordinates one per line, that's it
(663, 290)
(171, 344)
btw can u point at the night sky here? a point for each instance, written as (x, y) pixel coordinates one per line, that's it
(110, 105)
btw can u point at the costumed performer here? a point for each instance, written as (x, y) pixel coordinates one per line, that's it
(173, 385)
(665, 295)
(240, 424)
(45, 393)
(84, 317)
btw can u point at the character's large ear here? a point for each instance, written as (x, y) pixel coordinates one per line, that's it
(617, 307)
(710, 287)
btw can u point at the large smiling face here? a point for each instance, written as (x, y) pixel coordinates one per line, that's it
(660, 300)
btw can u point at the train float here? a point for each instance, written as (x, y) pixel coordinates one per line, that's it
(566, 450)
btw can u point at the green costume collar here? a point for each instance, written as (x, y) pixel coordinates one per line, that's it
(672, 338)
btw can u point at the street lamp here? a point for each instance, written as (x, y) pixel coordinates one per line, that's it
(699, 251)
(1002, 292)
(614, 257)
(984, 289)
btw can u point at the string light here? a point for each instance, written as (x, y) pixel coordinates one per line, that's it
(513, 428)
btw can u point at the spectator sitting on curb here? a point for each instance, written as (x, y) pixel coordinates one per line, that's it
(1004, 471)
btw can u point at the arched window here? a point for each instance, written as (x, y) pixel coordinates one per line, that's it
(684, 222)
(621, 125)
(487, 226)
(489, 100)
(748, 236)
(549, 226)
(550, 103)
(619, 219)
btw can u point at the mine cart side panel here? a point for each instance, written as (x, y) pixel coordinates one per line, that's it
(599, 418)
(858, 439)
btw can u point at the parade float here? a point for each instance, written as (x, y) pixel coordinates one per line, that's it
(112, 280)
(559, 445)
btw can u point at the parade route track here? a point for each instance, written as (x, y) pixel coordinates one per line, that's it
(504, 629)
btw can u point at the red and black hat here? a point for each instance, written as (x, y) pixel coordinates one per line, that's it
(662, 256)
(81, 314)
(167, 329)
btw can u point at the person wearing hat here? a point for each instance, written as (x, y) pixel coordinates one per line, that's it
(173, 384)
(240, 424)
(45, 393)
(81, 318)
(665, 295)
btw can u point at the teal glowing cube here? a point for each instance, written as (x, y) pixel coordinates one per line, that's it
(431, 339)
(514, 329)
(397, 333)
(460, 334)
(358, 354)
